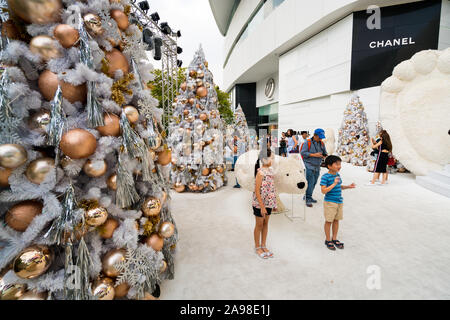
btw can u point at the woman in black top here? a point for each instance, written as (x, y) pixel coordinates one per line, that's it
(384, 146)
(283, 145)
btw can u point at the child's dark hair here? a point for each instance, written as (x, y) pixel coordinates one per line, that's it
(263, 155)
(332, 159)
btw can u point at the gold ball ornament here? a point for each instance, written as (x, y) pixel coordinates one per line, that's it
(202, 92)
(9, 30)
(11, 291)
(183, 86)
(158, 142)
(164, 157)
(132, 113)
(219, 169)
(12, 155)
(38, 169)
(93, 24)
(111, 127)
(191, 101)
(199, 83)
(33, 295)
(163, 266)
(20, 215)
(107, 229)
(95, 168)
(103, 289)
(213, 171)
(166, 230)
(205, 171)
(40, 120)
(116, 61)
(152, 154)
(45, 47)
(203, 116)
(78, 144)
(121, 290)
(4, 176)
(112, 257)
(96, 216)
(155, 241)
(193, 74)
(48, 84)
(200, 74)
(33, 262)
(179, 187)
(66, 35)
(36, 11)
(111, 182)
(151, 206)
(121, 19)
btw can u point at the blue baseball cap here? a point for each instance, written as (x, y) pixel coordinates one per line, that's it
(320, 132)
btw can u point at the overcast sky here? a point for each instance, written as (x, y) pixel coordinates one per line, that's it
(197, 25)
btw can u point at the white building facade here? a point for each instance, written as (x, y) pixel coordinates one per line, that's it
(296, 63)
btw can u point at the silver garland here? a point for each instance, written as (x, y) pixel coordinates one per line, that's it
(135, 146)
(126, 194)
(65, 223)
(84, 260)
(137, 73)
(94, 109)
(9, 123)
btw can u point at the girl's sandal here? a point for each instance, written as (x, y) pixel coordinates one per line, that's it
(262, 255)
(330, 245)
(268, 252)
(338, 244)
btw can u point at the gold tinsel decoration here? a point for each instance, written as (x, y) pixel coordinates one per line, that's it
(150, 225)
(127, 9)
(120, 87)
(88, 204)
(172, 247)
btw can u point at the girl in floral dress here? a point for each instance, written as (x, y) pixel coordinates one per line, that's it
(264, 201)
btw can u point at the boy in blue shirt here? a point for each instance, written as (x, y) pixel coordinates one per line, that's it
(333, 203)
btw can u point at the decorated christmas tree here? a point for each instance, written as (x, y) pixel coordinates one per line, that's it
(84, 199)
(241, 127)
(196, 132)
(353, 142)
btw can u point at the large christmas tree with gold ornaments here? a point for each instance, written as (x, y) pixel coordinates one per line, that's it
(353, 141)
(84, 192)
(196, 132)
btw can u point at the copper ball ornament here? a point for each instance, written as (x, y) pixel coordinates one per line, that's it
(107, 229)
(200, 74)
(38, 169)
(110, 259)
(111, 127)
(48, 84)
(95, 168)
(4, 176)
(193, 74)
(34, 295)
(45, 47)
(95, 217)
(155, 241)
(157, 143)
(164, 157)
(12, 155)
(199, 83)
(9, 30)
(111, 182)
(132, 113)
(219, 169)
(121, 290)
(191, 101)
(78, 144)
(36, 11)
(93, 24)
(151, 207)
(40, 120)
(205, 171)
(166, 230)
(33, 262)
(179, 187)
(203, 116)
(11, 291)
(116, 61)
(20, 215)
(121, 19)
(183, 86)
(66, 35)
(103, 289)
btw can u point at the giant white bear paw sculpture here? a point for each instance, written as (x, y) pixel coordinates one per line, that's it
(289, 174)
(415, 111)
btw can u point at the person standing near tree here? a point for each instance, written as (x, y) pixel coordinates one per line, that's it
(283, 145)
(313, 151)
(384, 146)
(292, 142)
(238, 150)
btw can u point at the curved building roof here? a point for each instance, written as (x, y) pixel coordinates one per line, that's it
(223, 11)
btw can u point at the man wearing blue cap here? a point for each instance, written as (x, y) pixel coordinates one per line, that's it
(313, 151)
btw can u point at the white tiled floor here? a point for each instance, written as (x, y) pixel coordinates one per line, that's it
(401, 227)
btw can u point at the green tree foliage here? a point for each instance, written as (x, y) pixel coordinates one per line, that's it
(156, 85)
(225, 106)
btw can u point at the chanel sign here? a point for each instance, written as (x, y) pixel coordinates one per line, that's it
(401, 31)
(270, 88)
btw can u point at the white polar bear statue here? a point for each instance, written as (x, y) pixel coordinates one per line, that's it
(289, 174)
(330, 141)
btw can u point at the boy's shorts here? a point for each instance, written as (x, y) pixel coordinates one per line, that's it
(333, 211)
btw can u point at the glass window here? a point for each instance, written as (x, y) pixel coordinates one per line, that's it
(276, 3)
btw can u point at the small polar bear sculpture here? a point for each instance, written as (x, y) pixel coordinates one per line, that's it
(415, 111)
(289, 174)
(330, 141)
